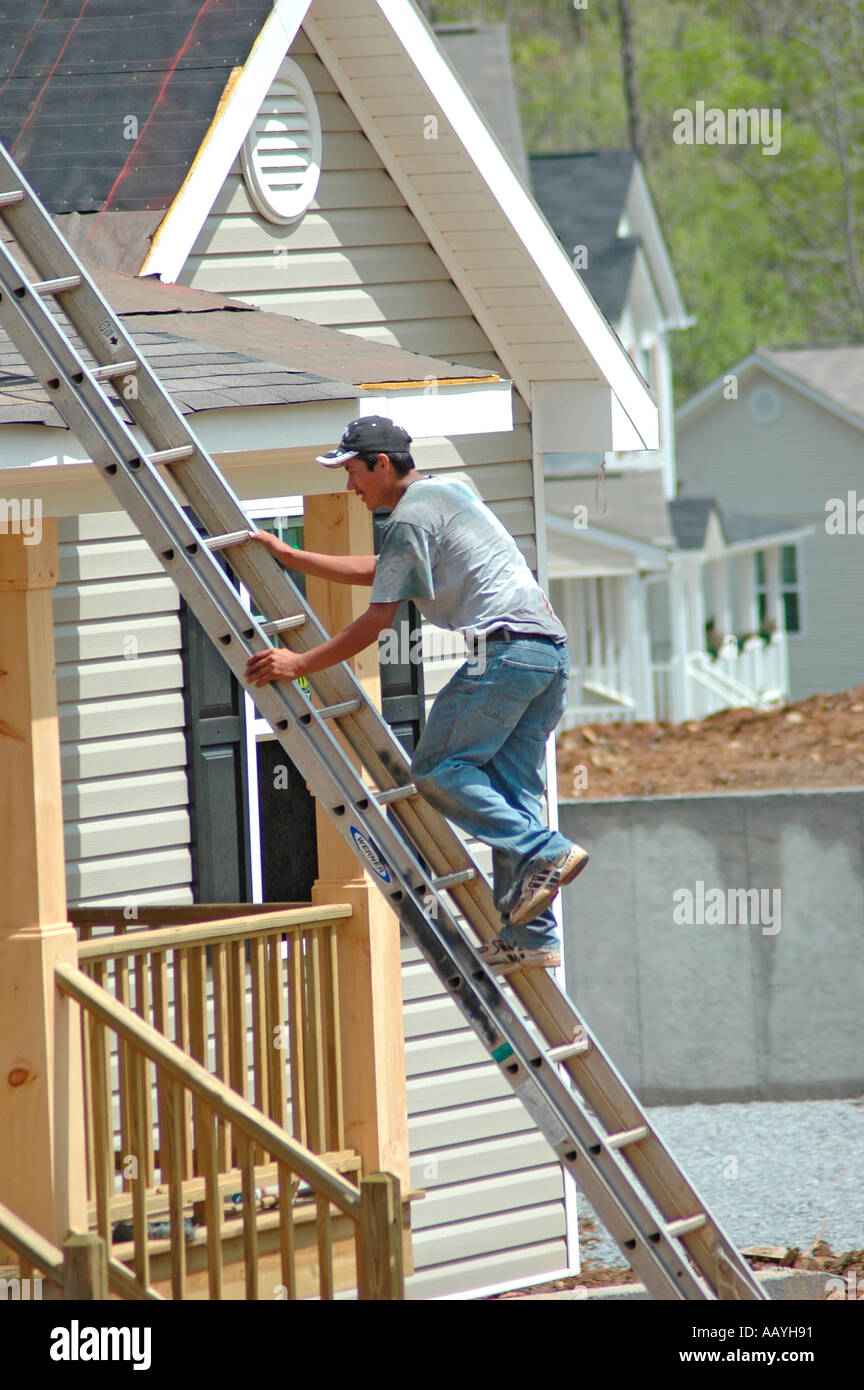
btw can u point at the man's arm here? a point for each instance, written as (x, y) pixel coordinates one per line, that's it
(278, 663)
(342, 569)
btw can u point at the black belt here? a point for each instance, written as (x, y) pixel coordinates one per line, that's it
(506, 634)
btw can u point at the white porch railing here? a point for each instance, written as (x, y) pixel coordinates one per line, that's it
(756, 677)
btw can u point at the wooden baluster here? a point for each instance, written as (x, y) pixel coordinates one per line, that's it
(143, 1003)
(159, 977)
(121, 993)
(180, 982)
(297, 1035)
(103, 1127)
(89, 1139)
(205, 1145)
(246, 1161)
(135, 1070)
(277, 1035)
(257, 971)
(287, 1246)
(237, 1032)
(315, 1024)
(172, 1113)
(325, 1247)
(197, 994)
(222, 1031)
(333, 1036)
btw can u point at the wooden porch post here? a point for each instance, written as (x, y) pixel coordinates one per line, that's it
(370, 971)
(42, 1154)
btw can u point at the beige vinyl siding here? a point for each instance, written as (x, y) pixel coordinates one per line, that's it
(493, 1210)
(121, 715)
(358, 260)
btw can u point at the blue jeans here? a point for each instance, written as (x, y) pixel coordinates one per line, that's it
(481, 762)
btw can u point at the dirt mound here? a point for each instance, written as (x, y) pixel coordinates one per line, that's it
(816, 743)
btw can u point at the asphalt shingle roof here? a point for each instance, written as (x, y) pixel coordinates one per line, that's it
(582, 196)
(838, 372)
(211, 352)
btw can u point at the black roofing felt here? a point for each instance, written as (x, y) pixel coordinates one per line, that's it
(91, 89)
(582, 196)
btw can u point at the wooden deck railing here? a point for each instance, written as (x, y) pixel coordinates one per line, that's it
(322, 1226)
(252, 996)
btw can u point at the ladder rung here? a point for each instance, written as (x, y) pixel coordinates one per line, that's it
(451, 880)
(571, 1049)
(223, 542)
(63, 282)
(627, 1136)
(283, 624)
(15, 195)
(345, 707)
(114, 369)
(396, 794)
(686, 1225)
(183, 451)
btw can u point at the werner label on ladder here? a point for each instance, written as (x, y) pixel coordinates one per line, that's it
(544, 1050)
(480, 760)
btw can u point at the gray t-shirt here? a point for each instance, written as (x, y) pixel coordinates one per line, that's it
(448, 552)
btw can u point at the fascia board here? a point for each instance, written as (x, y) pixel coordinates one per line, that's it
(755, 543)
(179, 229)
(583, 417)
(453, 410)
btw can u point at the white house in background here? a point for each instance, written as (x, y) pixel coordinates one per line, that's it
(781, 433)
(638, 575)
(329, 168)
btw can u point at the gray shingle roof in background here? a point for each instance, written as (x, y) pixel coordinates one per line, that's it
(838, 372)
(480, 53)
(690, 516)
(582, 196)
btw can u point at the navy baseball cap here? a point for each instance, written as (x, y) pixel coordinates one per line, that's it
(371, 434)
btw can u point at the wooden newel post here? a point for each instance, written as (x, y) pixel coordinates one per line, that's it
(85, 1269)
(42, 1154)
(370, 968)
(380, 1274)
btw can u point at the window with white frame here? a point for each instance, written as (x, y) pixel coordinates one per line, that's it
(789, 586)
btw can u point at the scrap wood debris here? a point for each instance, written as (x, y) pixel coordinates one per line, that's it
(817, 743)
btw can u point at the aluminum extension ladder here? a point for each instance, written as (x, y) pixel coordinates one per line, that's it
(570, 1088)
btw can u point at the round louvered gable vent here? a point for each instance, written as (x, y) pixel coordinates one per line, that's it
(765, 404)
(282, 153)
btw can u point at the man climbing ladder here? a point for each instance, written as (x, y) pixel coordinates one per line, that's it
(480, 760)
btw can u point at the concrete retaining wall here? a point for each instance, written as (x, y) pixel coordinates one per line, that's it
(691, 1007)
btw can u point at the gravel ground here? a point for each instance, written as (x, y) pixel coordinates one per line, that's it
(770, 1171)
